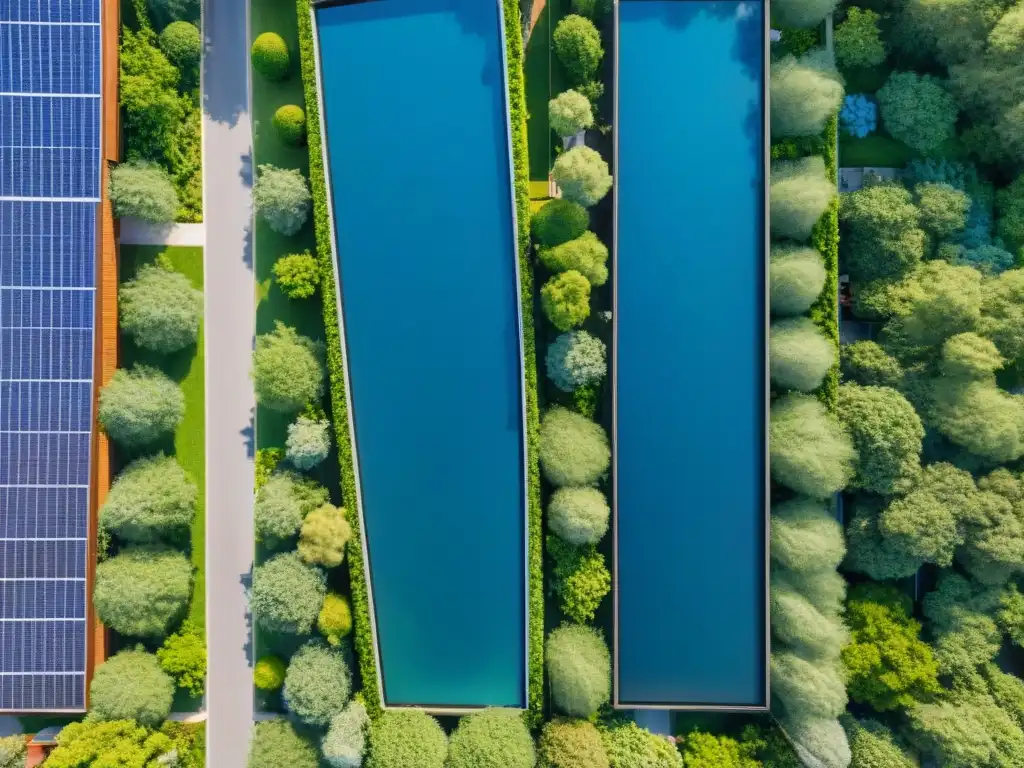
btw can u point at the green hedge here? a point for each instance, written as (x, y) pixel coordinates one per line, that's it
(360, 595)
(825, 311)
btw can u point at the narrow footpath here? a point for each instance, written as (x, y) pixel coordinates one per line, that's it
(230, 402)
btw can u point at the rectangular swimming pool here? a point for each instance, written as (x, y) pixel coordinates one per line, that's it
(689, 355)
(416, 128)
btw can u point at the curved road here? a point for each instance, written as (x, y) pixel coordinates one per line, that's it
(230, 402)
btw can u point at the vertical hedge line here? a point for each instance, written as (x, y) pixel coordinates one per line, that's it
(335, 365)
(825, 311)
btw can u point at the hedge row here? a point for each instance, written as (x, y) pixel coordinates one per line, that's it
(825, 311)
(335, 365)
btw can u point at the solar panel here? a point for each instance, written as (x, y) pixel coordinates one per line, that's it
(50, 177)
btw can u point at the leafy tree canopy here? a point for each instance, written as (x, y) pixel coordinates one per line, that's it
(569, 113)
(800, 193)
(287, 594)
(582, 175)
(325, 532)
(805, 536)
(571, 744)
(810, 451)
(887, 433)
(317, 684)
(152, 499)
(805, 93)
(492, 738)
(574, 451)
(282, 198)
(918, 110)
(276, 743)
(131, 686)
(139, 406)
(286, 370)
(797, 276)
(142, 590)
(799, 354)
(579, 668)
(115, 742)
(281, 504)
(400, 738)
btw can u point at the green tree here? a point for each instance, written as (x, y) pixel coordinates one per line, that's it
(160, 309)
(270, 56)
(807, 687)
(580, 579)
(298, 275)
(144, 191)
(884, 239)
(565, 299)
(181, 43)
(943, 209)
(276, 743)
(800, 625)
(317, 684)
(576, 359)
(888, 666)
(801, 13)
(401, 738)
(819, 741)
(1011, 614)
(947, 302)
(309, 442)
(805, 93)
(980, 417)
(872, 745)
(571, 744)
(799, 354)
(858, 39)
(142, 590)
(811, 452)
(131, 686)
(167, 11)
(152, 499)
(578, 516)
(705, 750)
(282, 198)
(281, 504)
(492, 738)
(630, 746)
(569, 113)
(582, 175)
(573, 450)
(868, 364)
(796, 278)
(800, 193)
(586, 254)
(1002, 313)
(103, 743)
(335, 618)
(558, 221)
(287, 370)
(805, 536)
(345, 743)
(1010, 210)
(887, 433)
(183, 657)
(878, 555)
(139, 406)
(918, 110)
(148, 94)
(579, 670)
(13, 749)
(269, 672)
(287, 594)
(578, 46)
(325, 532)
(968, 356)
(290, 125)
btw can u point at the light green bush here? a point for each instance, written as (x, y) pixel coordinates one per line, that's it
(918, 110)
(805, 537)
(131, 686)
(276, 744)
(565, 299)
(558, 221)
(819, 741)
(630, 746)
(309, 442)
(799, 355)
(183, 657)
(858, 40)
(268, 674)
(290, 125)
(325, 532)
(287, 594)
(335, 619)
(579, 578)
(586, 254)
(569, 113)
(401, 738)
(270, 56)
(807, 688)
(281, 504)
(796, 278)
(286, 370)
(578, 516)
(160, 309)
(884, 240)
(142, 590)
(576, 359)
(298, 275)
(810, 451)
(12, 751)
(593, 10)
(571, 744)
(969, 356)
(317, 684)
(345, 743)
(181, 43)
(492, 738)
(578, 46)
(579, 670)
(800, 192)
(805, 93)
(582, 175)
(573, 450)
(282, 198)
(143, 191)
(800, 625)
(152, 499)
(867, 363)
(873, 746)
(943, 209)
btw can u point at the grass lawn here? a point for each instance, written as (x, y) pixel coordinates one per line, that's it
(187, 368)
(271, 304)
(544, 79)
(882, 151)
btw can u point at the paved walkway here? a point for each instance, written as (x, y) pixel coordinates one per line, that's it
(138, 232)
(230, 403)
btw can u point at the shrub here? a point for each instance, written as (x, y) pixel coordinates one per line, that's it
(800, 192)
(558, 221)
(858, 39)
(799, 355)
(335, 619)
(270, 56)
(872, 745)
(592, 9)
(152, 499)
(183, 657)
(579, 669)
(281, 504)
(980, 417)
(571, 744)
(492, 738)
(142, 590)
(309, 442)
(287, 594)
(576, 359)
(167, 11)
(796, 278)
(325, 532)
(943, 209)
(268, 674)
(805, 536)
(807, 688)
(131, 686)
(286, 370)
(401, 738)
(582, 175)
(918, 110)
(987, 259)
(819, 741)
(1003, 312)
(810, 451)
(578, 46)
(630, 746)
(578, 516)
(566, 300)
(345, 743)
(801, 13)
(181, 43)
(586, 254)
(151, 106)
(282, 198)
(865, 362)
(705, 750)
(887, 434)
(139, 406)
(945, 301)
(580, 579)
(569, 113)
(275, 744)
(290, 125)
(298, 275)
(1010, 207)
(573, 449)
(160, 309)
(802, 626)
(317, 684)
(143, 191)
(884, 240)
(805, 94)
(12, 751)
(968, 356)
(859, 115)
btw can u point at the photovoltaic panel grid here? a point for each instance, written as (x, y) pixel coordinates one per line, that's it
(49, 193)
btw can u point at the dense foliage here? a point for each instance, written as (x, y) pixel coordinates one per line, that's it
(805, 93)
(323, 537)
(298, 275)
(796, 278)
(290, 125)
(139, 406)
(269, 672)
(810, 450)
(282, 502)
(582, 176)
(12, 751)
(317, 684)
(565, 299)
(308, 443)
(182, 44)
(571, 744)
(282, 198)
(887, 434)
(101, 743)
(558, 221)
(492, 738)
(270, 56)
(576, 359)
(800, 192)
(579, 670)
(183, 657)
(287, 594)
(918, 110)
(586, 254)
(142, 590)
(577, 44)
(579, 578)
(569, 113)
(344, 746)
(131, 686)
(152, 499)
(335, 618)
(287, 370)
(883, 238)
(630, 746)
(276, 743)
(799, 355)
(573, 450)
(578, 515)
(160, 309)
(143, 191)
(858, 40)
(400, 738)
(872, 745)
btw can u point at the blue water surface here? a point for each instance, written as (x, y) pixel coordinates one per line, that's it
(414, 102)
(690, 471)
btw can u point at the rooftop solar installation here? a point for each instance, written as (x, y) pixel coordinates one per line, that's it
(49, 193)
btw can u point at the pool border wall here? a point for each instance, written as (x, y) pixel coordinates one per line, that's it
(766, 491)
(353, 456)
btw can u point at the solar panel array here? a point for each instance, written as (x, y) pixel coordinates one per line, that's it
(49, 190)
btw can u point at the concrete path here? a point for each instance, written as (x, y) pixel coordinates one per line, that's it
(138, 232)
(230, 403)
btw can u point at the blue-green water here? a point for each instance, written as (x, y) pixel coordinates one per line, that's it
(414, 101)
(690, 354)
